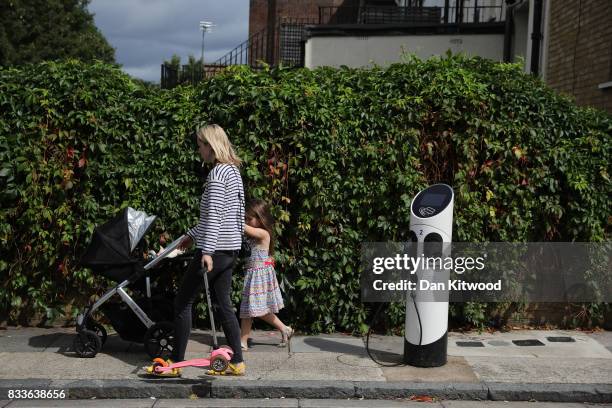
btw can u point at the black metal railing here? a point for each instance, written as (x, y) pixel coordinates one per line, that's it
(291, 40)
(282, 46)
(251, 52)
(477, 14)
(448, 14)
(172, 75)
(278, 46)
(378, 15)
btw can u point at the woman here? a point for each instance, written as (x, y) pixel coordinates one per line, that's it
(217, 238)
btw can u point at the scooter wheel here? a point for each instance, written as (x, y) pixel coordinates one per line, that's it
(219, 364)
(160, 362)
(87, 344)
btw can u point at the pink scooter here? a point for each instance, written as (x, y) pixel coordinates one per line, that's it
(219, 358)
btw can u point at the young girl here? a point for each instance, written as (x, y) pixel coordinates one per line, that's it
(261, 295)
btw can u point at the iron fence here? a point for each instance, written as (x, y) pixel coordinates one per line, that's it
(414, 15)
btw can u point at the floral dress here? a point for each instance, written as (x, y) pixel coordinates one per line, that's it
(260, 294)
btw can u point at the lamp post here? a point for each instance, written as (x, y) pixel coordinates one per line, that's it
(205, 26)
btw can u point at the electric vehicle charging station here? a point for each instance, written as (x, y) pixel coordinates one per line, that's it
(431, 221)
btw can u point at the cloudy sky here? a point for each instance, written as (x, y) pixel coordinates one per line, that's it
(144, 33)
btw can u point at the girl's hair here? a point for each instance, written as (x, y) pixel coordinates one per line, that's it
(259, 210)
(216, 137)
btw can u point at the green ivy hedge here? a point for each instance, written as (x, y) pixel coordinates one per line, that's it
(339, 153)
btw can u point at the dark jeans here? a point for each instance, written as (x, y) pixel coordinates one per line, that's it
(220, 283)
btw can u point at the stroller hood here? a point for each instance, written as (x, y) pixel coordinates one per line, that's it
(138, 224)
(113, 242)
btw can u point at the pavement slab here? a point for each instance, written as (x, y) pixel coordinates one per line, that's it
(344, 345)
(309, 366)
(498, 343)
(68, 366)
(30, 339)
(604, 338)
(457, 369)
(542, 370)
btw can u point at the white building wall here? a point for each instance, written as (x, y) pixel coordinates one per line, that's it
(386, 49)
(521, 32)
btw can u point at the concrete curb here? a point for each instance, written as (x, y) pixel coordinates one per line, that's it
(235, 388)
(596, 393)
(448, 391)
(288, 389)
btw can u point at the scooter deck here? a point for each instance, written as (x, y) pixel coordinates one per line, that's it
(196, 362)
(163, 375)
(152, 371)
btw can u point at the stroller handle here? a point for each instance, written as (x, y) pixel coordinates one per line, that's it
(165, 253)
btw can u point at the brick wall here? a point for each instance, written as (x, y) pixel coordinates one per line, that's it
(269, 13)
(258, 15)
(304, 9)
(580, 50)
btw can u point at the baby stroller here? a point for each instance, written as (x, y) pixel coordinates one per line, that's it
(116, 252)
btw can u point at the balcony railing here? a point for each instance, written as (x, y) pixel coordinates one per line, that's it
(412, 15)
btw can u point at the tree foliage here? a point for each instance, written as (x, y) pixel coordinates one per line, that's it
(39, 30)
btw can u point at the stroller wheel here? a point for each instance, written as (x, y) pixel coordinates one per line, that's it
(219, 364)
(159, 340)
(87, 344)
(98, 329)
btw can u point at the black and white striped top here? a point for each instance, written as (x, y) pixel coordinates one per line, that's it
(221, 223)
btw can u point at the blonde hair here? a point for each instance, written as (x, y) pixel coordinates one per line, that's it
(216, 137)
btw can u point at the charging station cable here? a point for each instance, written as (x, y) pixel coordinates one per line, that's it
(375, 319)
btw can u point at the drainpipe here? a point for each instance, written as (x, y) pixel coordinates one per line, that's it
(271, 34)
(446, 7)
(536, 37)
(508, 30)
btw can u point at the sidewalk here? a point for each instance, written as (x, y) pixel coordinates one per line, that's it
(566, 366)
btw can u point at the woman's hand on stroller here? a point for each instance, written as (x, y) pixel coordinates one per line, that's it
(185, 243)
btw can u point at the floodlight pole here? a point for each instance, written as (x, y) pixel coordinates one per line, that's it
(202, 55)
(205, 26)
